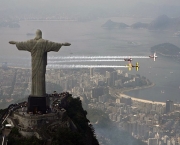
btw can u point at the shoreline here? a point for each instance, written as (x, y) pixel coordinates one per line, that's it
(141, 100)
(138, 88)
(121, 94)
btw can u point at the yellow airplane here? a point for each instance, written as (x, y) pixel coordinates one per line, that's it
(130, 66)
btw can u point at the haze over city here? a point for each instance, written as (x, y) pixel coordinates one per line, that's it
(100, 31)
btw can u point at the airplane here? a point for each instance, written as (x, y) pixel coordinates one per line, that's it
(128, 59)
(130, 66)
(153, 56)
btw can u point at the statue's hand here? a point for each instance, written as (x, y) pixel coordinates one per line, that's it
(12, 42)
(66, 44)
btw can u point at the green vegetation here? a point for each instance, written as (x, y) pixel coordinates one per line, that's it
(78, 116)
(166, 49)
(77, 113)
(15, 138)
(108, 132)
(83, 135)
(65, 136)
(99, 118)
(2, 111)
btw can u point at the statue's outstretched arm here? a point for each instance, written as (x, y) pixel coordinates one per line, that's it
(26, 45)
(12, 42)
(66, 44)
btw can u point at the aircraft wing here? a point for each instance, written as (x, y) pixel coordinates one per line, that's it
(129, 66)
(137, 68)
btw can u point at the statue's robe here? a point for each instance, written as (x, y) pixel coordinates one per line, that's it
(38, 49)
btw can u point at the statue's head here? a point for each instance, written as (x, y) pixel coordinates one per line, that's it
(38, 34)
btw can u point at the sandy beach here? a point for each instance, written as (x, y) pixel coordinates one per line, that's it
(121, 94)
(141, 100)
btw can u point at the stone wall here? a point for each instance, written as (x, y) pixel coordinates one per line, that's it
(28, 125)
(34, 120)
(10, 121)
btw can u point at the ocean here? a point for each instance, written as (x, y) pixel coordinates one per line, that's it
(90, 39)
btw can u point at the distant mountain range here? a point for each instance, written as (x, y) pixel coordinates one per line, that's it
(162, 22)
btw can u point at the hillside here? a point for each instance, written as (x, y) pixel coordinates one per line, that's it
(167, 50)
(111, 25)
(78, 132)
(163, 22)
(139, 25)
(107, 131)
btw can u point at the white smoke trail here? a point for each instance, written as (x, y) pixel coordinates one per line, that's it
(85, 60)
(96, 57)
(85, 66)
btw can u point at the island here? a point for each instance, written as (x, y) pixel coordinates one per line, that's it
(167, 50)
(111, 25)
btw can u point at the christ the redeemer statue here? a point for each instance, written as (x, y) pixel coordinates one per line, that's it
(38, 48)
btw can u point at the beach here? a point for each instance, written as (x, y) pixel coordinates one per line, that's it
(121, 94)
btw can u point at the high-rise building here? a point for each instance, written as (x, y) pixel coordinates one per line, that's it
(91, 72)
(111, 78)
(126, 101)
(118, 101)
(152, 141)
(108, 74)
(59, 75)
(169, 106)
(98, 91)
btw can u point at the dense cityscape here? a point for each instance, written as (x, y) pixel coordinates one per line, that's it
(44, 100)
(102, 89)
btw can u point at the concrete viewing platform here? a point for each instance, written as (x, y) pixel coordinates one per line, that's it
(28, 124)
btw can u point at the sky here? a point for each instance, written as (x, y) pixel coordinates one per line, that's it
(139, 7)
(84, 2)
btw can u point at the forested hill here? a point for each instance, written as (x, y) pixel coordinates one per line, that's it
(84, 134)
(107, 131)
(166, 49)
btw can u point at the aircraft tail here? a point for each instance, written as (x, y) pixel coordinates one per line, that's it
(155, 56)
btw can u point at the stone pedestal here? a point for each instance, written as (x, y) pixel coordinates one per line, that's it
(38, 104)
